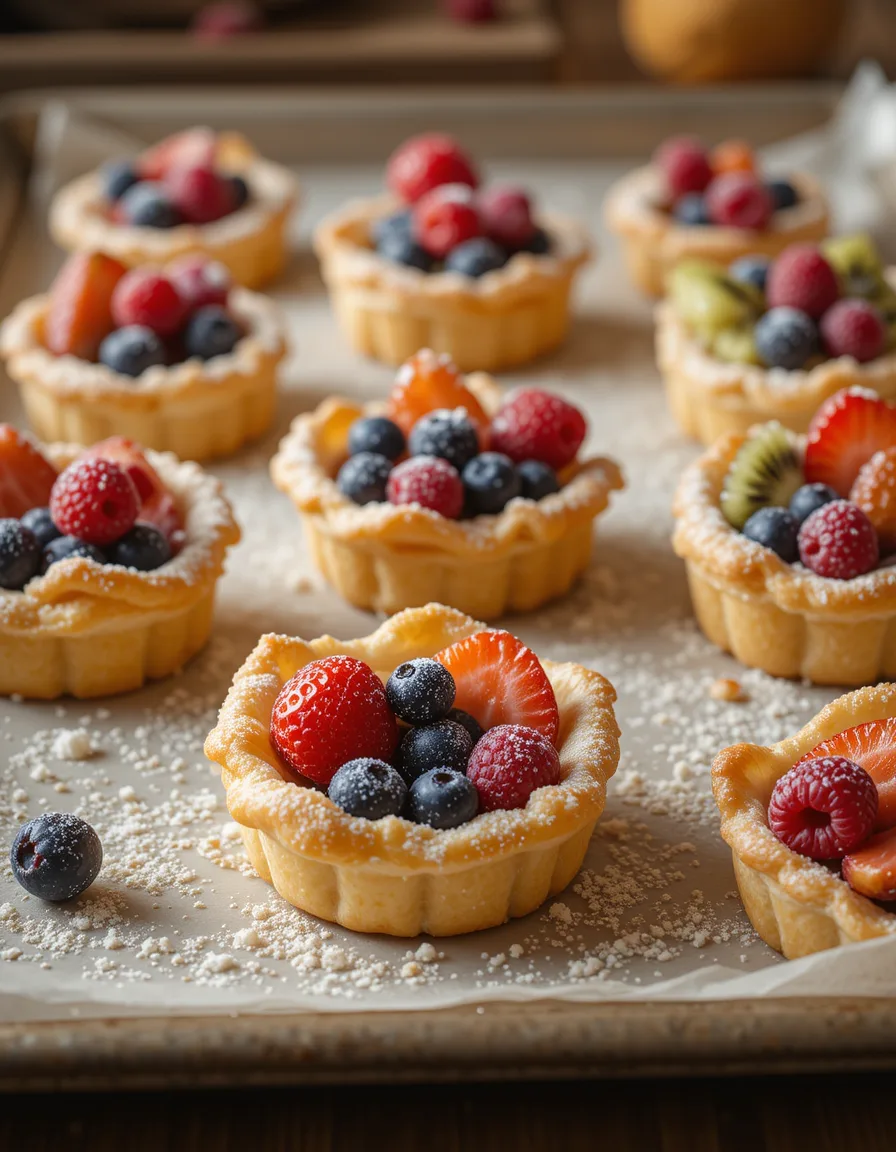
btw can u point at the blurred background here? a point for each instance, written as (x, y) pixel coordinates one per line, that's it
(553, 42)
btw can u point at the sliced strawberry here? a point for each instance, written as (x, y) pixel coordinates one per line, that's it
(426, 382)
(26, 478)
(845, 433)
(873, 747)
(871, 871)
(501, 681)
(80, 313)
(193, 146)
(161, 510)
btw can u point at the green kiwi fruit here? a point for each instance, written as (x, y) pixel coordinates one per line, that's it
(708, 300)
(736, 346)
(856, 261)
(765, 472)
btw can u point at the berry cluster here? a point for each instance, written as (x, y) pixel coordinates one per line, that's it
(448, 224)
(143, 318)
(109, 506)
(719, 187)
(176, 182)
(438, 449)
(471, 730)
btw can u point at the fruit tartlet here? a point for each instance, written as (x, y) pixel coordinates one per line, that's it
(790, 544)
(441, 263)
(772, 340)
(446, 493)
(172, 356)
(811, 823)
(109, 558)
(690, 203)
(197, 193)
(432, 777)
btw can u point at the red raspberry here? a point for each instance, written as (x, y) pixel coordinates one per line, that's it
(200, 281)
(506, 215)
(823, 808)
(684, 165)
(536, 425)
(426, 162)
(508, 763)
(430, 482)
(853, 328)
(739, 200)
(838, 540)
(202, 194)
(223, 20)
(444, 218)
(94, 500)
(146, 296)
(471, 11)
(333, 710)
(801, 278)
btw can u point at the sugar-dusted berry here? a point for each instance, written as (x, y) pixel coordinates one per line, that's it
(854, 328)
(537, 425)
(94, 500)
(430, 482)
(444, 744)
(684, 164)
(874, 491)
(420, 691)
(147, 296)
(363, 478)
(19, 555)
(509, 763)
(839, 541)
(426, 162)
(506, 214)
(56, 856)
(200, 281)
(447, 433)
(739, 200)
(368, 788)
(823, 808)
(802, 278)
(444, 218)
(376, 434)
(442, 798)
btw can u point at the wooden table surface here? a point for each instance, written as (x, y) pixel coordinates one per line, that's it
(823, 1114)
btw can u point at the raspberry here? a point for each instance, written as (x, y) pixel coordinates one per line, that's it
(739, 200)
(147, 297)
(471, 11)
(200, 193)
(94, 500)
(839, 541)
(430, 482)
(223, 20)
(332, 711)
(536, 425)
(802, 278)
(853, 328)
(684, 165)
(444, 218)
(200, 281)
(509, 763)
(823, 808)
(425, 162)
(506, 215)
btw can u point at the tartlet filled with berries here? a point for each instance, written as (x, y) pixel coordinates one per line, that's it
(435, 776)
(448, 492)
(693, 203)
(197, 193)
(441, 262)
(109, 558)
(789, 543)
(811, 823)
(773, 339)
(171, 355)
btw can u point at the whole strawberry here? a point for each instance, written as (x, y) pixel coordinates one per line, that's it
(839, 541)
(94, 500)
(536, 425)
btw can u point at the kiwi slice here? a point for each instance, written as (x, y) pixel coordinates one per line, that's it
(708, 300)
(736, 346)
(856, 261)
(765, 472)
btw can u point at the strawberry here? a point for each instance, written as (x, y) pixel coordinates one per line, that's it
(875, 493)
(193, 146)
(871, 871)
(26, 478)
(845, 433)
(79, 316)
(426, 382)
(873, 747)
(501, 681)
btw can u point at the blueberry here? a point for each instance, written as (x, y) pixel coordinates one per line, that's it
(64, 547)
(56, 856)
(538, 480)
(368, 788)
(774, 528)
(441, 745)
(118, 176)
(398, 224)
(39, 522)
(475, 257)
(420, 691)
(442, 798)
(363, 478)
(211, 331)
(691, 211)
(786, 338)
(19, 555)
(447, 433)
(467, 721)
(239, 191)
(403, 249)
(148, 205)
(376, 434)
(144, 547)
(132, 350)
(539, 243)
(751, 270)
(783, 194)
(490, 481)
(809, 499)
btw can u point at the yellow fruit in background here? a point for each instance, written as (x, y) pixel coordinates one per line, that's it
(694, 41)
